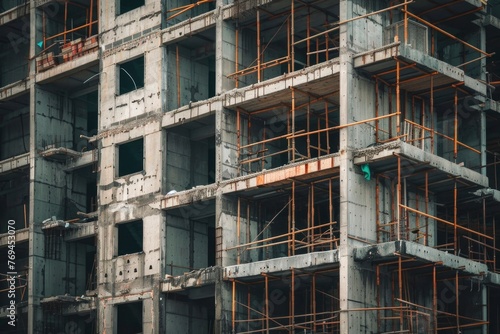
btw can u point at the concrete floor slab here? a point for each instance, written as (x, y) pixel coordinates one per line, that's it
(285, 264)
(389, 250)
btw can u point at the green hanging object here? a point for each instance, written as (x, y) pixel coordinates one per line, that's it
(366, 170)
(40, 44)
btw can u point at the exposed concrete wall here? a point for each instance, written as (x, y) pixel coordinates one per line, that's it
(135, 276)
(69, 269)
(187, 245)
(225, 55)
(122, 28)
(15, 200)
(188, 317)
(80, 185)
(226, 146)
(85, 109)
(188, 161)
(116, 108)
(117, 189)
(180, 157)
(54, 115)
(194, 69)
(367, 33)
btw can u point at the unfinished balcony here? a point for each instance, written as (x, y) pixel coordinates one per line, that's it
(298, 124)
(430, 201)
(297, 300)
(281, 37)
(441, 42)
(291, 218)
(422, 290)
(68, 44)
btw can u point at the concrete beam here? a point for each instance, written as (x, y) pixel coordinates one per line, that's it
(85, 159)
(192, 279)
(68, 68)
(372, 154)
(21, 236)
(71, 304)
(14, 13)
(187, 197)
(14, 163)
(387, 251)
(80, 231)
(423, 60)
(60, 154)
(187, 28)
(273, 88)
(191, 112)
(283, 264)
(310, 169)
(383, 53)
(14, 89)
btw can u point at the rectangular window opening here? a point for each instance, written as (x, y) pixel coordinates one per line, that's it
(131, 157)
(131, 75)
(124, 6)
(129, 317)
(130, 237)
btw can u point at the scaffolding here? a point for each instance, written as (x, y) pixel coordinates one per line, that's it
(265, 232)
(292, 301)
(288, 131)
(415, 201)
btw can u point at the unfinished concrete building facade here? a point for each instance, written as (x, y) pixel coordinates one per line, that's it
(250, 166)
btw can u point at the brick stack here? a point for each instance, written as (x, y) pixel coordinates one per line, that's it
(78, 47)
(69, 51)
(45, 61)
(90, 44)
(72, 49)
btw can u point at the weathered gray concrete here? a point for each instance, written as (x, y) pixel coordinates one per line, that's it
(192, 191)
(312, 261)
(418, 251)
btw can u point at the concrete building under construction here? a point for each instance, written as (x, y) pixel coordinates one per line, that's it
(249, 166)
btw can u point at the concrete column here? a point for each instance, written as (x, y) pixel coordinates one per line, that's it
(224, 53)
(357, 216)
(226, 145)
(224, 220)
